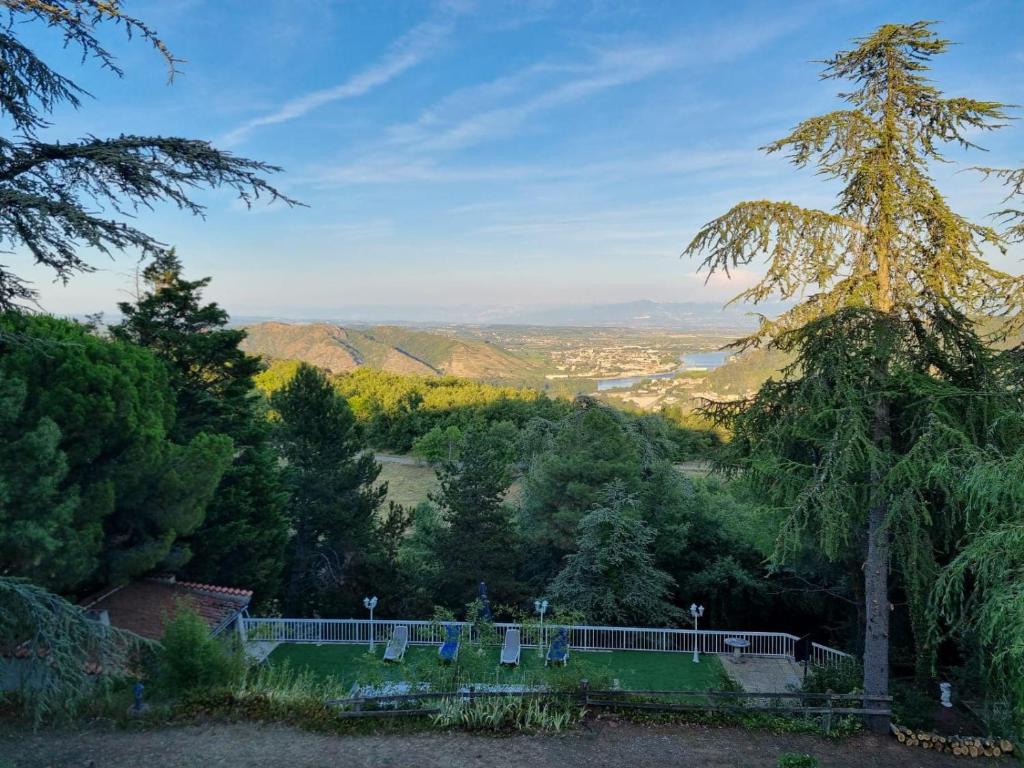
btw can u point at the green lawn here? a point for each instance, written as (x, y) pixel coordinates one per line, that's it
(635, 670)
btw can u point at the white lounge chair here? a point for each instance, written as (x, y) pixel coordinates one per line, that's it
(396, 645)
(510, 649)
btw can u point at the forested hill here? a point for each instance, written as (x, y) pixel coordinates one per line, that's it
(389, 348)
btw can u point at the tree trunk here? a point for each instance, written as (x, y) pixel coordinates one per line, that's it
(876, 583)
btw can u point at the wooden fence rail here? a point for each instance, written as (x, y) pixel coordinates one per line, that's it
(826, 705)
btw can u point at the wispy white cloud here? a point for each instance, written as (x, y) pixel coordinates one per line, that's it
(513, 103)
(385, 168)
(412, 48)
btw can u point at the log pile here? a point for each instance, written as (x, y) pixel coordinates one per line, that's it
(961, 746)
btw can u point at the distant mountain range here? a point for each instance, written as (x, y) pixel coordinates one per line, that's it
(636, 314)
(390, 348)
(680, 316)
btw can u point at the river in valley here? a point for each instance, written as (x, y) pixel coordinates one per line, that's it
(691, 361)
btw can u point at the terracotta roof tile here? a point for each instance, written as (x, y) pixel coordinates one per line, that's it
(145, 607)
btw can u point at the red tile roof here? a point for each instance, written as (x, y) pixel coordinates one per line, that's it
(144, 607)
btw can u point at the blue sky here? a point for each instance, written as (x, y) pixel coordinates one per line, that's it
(480, 152)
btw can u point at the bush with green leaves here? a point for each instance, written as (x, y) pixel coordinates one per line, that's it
(846, 677)
(193, 660)
(795, 760)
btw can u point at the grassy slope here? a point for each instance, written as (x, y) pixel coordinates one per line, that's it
(457, 357)
(635, 670)
(408, 485)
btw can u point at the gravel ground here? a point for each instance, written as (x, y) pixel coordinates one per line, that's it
(598, 744)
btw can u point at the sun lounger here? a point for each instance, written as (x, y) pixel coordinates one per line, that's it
(449, 650)
(558, 653)
(511, 648)
(397, 644)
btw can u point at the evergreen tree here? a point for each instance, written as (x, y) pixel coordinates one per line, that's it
(892, 245)
(54, 195)
(612, 578)
(478, 542)
(212, 377)
(140, 494)
(38, 539)
(241, 542)
(332, 499)
(592, 447)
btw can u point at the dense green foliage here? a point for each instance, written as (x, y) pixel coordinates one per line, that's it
(37, 539)
(399, 409)
(699, 538)
(135, 493)
(190, 659)
(477, 541)
(332, 499)
(611, 578)
(211, 377)
(856, 446)
(242, 538)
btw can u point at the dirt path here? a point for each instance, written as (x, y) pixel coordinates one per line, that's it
(595, 746)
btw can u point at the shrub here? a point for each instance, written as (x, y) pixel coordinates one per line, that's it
(193, 660)
(838, 678)
(512, 713)
(794, 760)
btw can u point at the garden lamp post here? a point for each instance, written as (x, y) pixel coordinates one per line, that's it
(370, 603)
(696, 611)
(541, 606)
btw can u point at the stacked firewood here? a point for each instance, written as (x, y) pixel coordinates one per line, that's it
(962, 746)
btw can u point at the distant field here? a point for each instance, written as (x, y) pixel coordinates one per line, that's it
(409, 484)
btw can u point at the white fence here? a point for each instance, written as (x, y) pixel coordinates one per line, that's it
(581, 637)
(823, 656)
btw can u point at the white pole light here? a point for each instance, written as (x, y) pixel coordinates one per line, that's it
(696, 611)
(370, 603)
(541, 606)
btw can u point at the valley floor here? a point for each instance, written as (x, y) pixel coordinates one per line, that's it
(596, 745)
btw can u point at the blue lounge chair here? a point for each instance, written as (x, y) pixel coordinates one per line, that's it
(449, 650)
(559, 650)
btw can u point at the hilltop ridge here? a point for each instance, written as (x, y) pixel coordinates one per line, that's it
(387, 347)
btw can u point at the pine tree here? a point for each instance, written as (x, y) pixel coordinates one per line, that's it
(242, 538)
(890, 245)
(612, 578)
(478, 542)
(140, 494)
(38, 539)
(212, 377)
(332, 500)
(54, 195)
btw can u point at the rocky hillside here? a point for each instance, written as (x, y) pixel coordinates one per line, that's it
(390, 348)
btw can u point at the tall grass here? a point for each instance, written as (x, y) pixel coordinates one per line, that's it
(508, 714)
